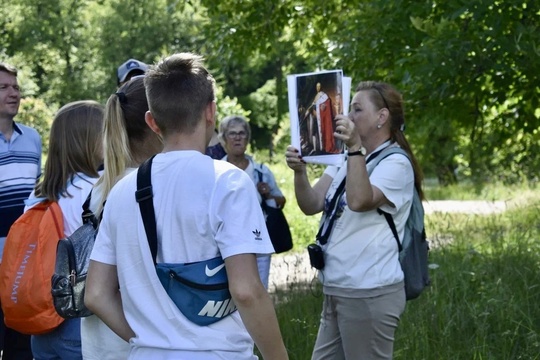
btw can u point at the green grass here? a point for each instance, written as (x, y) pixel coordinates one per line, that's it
(469, 191)
(484, 301)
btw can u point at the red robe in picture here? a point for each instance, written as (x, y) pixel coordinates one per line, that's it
(325, 118)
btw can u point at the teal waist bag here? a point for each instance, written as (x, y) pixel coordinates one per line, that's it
(200, 289)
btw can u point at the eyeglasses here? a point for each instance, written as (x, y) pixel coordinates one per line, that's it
(234, 134)
(383, 99)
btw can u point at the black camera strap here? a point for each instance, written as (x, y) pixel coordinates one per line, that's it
(321, 237)
(331, 214)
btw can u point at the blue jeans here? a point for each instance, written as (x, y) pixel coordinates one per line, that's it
(63, 343)
(263, 263)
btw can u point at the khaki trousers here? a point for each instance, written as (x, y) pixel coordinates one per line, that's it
(358, 329)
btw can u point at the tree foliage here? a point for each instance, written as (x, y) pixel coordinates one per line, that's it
(469, 71)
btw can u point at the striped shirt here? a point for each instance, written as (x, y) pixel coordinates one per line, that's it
(20, 167)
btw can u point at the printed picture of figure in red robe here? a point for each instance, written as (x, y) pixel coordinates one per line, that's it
(320, 125)
(324, 111)
(318, 98)
(315, 99)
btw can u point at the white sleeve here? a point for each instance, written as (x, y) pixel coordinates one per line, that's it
(237, 216)
(394, 176)
(331, 171)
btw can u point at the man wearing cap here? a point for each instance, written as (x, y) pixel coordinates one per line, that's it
(129, 69)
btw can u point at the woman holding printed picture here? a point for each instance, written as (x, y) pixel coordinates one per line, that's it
(362, 279)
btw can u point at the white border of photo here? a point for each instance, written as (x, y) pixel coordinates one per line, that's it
(326, 159)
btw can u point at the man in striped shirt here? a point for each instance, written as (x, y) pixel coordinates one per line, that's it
(20, 167)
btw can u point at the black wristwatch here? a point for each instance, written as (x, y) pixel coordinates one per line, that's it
(361, 152)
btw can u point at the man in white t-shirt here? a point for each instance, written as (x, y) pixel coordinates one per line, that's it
(204, 208)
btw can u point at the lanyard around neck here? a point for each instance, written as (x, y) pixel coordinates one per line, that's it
(321, 237)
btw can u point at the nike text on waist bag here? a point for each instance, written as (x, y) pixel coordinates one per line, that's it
(27, 267)
(200, 290)
(414, 248)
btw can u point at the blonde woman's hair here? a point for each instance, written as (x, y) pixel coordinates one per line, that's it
(127, 140)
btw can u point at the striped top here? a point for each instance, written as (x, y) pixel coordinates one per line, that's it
(20, 167)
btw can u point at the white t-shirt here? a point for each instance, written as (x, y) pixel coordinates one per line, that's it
(361, 252)
(203, 207)
(255, 169)
(98, 341)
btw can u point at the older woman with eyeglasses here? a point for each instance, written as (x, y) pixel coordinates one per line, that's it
(234, 134)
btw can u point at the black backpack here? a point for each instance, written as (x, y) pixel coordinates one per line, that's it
(71, 267)
(414, 247)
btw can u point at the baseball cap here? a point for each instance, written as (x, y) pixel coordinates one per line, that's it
(129, 66)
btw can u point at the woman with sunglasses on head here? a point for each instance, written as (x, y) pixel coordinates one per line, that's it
(234, 134)
(362, 279)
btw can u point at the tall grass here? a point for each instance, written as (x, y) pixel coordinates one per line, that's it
(466, 190)
(484, 300)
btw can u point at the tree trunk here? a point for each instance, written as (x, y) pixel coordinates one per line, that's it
(446, 174)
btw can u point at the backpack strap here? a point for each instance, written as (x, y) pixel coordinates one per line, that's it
(389, 218)
(390, 221)
(260, 172)
(264, 206)
(86, 205)
(87, 214)
(58, 218)
(144, 197)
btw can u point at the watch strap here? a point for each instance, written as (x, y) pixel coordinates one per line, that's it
(356, 153)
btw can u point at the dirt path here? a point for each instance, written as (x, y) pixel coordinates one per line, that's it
(295, 268)
(468, 206)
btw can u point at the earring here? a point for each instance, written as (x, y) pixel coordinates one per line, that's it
(379, 126)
